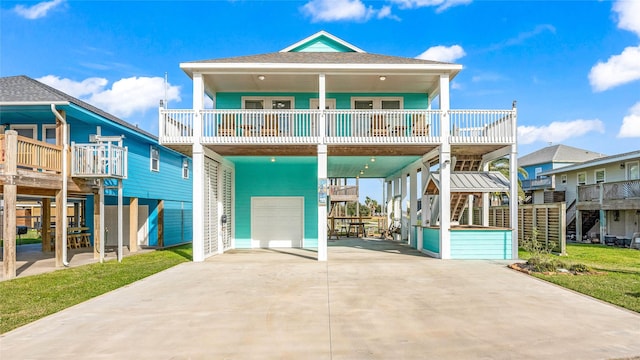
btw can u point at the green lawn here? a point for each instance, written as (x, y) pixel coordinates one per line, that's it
(618, 274)
(27, 299)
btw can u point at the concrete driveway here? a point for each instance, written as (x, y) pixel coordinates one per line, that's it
(371, 300)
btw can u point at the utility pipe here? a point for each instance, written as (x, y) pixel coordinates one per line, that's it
(65, 175)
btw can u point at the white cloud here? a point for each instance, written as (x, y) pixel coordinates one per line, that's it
(628, 15)
(617, 70)
(38, 10)
(441, 5)
(75, 88)
(125, 97)
(443, 53)
(558, 131)
(337, 10)
(631, 123)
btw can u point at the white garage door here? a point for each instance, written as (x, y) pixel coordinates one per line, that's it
(277, 222)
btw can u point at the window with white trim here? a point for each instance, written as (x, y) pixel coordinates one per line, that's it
(154, 159)
(267, 102)
(537, 171)
(29, 131)
(49, 134)
(582, 178)
(185, 168)
(377, 103)
(633, 170)
(563, 179)
(599, 176)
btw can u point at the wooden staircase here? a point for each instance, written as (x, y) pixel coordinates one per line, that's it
(459, 200)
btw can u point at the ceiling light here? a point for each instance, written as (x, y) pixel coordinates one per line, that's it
(273, 159)
(366, 166)
(383, 78)
(260, 77)
(361, 172)
(373, 159)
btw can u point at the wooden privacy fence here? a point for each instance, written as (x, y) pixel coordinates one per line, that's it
(548, 220)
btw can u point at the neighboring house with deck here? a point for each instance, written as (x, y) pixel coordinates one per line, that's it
(123, 186)
(549, 158)
(602, 196)
(284, 124)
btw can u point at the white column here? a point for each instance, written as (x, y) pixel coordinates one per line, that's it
(513, 201)
(120, 222)
(322, 207)
(445, 170)
(322, 104)
(388, 205)
(103, 238)
(413, 205)
(198, 170)
(470, 211)
(404, 231)
(425, 173)
(485, 201)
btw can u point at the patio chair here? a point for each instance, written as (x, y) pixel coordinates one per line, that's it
(419, 126)
(270, 126)
(227, 125)
(379, 126)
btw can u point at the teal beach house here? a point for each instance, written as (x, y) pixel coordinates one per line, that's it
(267, 134)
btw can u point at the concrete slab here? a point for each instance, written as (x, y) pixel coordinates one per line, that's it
(371, 300)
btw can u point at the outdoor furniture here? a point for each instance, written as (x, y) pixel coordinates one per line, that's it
(379, 126)
(419, 126)
(358, 229)
(227, 126)
(609, 240)
(270, 127)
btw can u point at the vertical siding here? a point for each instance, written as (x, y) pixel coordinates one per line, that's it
(431, 239)
(481, 244)
(288, 176)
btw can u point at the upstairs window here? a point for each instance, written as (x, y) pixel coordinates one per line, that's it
(582, 178)
(28, 131)
(185, 169)
(155, 159)
(563, 179)
(600, 176)
(538, 170)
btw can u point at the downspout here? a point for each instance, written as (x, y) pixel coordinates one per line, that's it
(65, 175)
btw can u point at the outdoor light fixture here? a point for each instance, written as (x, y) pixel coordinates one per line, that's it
(383, 78)
(260, 77)
(366, 166)
(361, 172)
(373, 159)
(273, 159)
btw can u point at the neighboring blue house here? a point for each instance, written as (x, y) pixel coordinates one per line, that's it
(284, 124)
(104, 150)
(547, 159)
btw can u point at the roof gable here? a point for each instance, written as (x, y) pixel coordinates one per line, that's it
(322, 42)
(558, 154)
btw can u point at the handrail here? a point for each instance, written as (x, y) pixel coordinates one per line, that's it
(99, 160)
(2, 155)
(38, 155)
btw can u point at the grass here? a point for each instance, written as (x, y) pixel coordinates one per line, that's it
(27, 299)
(31, 237)
(617, 277)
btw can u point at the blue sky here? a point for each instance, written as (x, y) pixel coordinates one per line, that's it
(573, 66)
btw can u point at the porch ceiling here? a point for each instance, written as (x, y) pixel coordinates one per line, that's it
(304, 82)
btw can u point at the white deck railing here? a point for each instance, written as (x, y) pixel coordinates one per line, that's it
(482, 126)
(98, 160)
(341, 126)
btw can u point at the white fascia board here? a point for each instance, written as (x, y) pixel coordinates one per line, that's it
(206, 67)
(326, 34)
(33, 103)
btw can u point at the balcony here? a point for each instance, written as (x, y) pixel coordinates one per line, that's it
(31, 154)
(619, 195)
(346, 127)
(538, 184)
(98, 161)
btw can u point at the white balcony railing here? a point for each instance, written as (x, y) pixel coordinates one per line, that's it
(618, 190)
(341, 126)
(98, 160)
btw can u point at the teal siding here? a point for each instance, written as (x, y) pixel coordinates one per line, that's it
(411, 101)
(321, 44)
(481, 244)
(177, 222)
(288, 176)
(431, 239)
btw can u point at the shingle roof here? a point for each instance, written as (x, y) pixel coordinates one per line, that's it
(632, 155)
(558, 154)
(20, 89)
(320, 58)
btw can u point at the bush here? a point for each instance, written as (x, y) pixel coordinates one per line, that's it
(580, 268)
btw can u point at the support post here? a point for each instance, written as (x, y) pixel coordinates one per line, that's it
(603, 215)
(445, 170)
(198, 160)
(61, 227)
(133, 224)
(413, 206)
(578, 225)
(97, 225)
(322, 104)
(513, 201)
(76, 214)
(161, 223)
(485, 201)
(10, 194)
(425, 173)
(322, 205)
(45, 224)
(120, 221)
(103, 232)
(470, 209)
